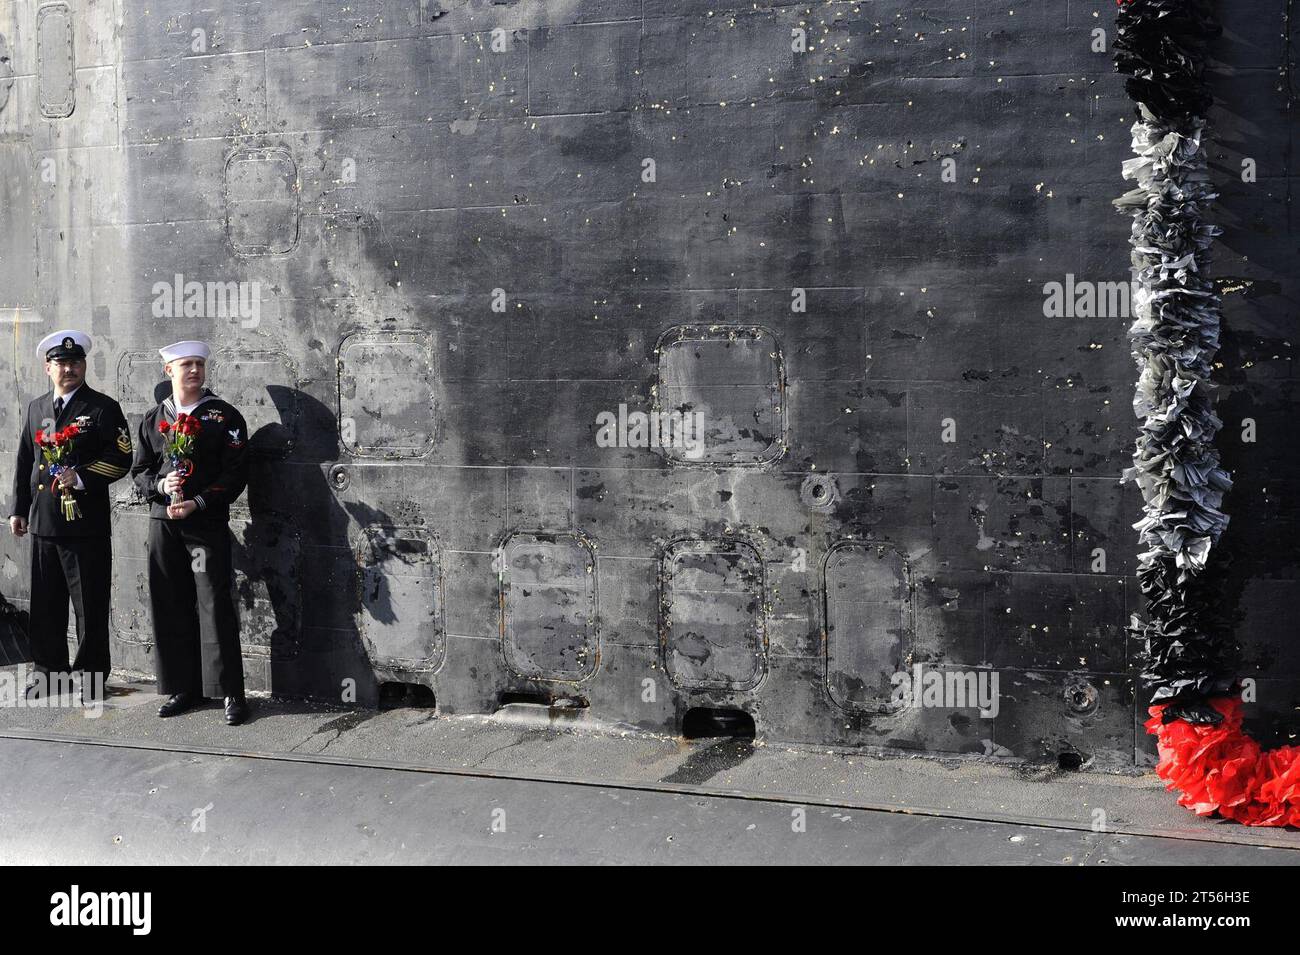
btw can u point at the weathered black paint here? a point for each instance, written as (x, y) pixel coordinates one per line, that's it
(380, 171)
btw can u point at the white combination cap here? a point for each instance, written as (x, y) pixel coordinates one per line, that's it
(65, 343)
(185, 350)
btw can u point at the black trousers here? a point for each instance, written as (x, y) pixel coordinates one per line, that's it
(80, 569)
(192, 601)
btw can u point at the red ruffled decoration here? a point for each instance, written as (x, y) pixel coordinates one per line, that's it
(1221, 769)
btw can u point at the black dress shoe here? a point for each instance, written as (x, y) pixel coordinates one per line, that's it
(236, 710)
(176, 703)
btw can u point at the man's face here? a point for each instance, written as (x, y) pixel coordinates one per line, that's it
(187, 373)
(66, 373)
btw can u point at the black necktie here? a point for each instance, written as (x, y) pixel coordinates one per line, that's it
(58, 407)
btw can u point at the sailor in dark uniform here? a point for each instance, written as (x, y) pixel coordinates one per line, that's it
(72, 551)
(191, 578)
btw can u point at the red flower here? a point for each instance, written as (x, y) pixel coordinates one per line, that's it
(40, 436)
(71, 431)
(163, 426)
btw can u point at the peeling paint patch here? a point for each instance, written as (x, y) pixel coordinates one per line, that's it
(401, 617)
(548, 606)
(714, 634)
(868, 622)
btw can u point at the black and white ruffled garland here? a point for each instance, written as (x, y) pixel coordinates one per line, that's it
(1196, 712)
(1174, 338)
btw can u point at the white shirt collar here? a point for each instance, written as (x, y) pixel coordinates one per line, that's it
(68, 397)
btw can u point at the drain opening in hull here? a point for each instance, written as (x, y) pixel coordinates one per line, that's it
(393, 696)
(707, 723)
(549, 700)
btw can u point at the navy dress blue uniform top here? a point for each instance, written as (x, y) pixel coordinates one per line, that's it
(101, 454)
(219, 459)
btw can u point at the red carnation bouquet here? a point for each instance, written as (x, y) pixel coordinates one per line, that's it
(180, 445)
(56, 451)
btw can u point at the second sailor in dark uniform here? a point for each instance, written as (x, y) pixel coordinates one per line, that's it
(191, 577)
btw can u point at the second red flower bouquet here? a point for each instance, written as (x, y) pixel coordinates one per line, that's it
(180, 445)
(56, 451)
